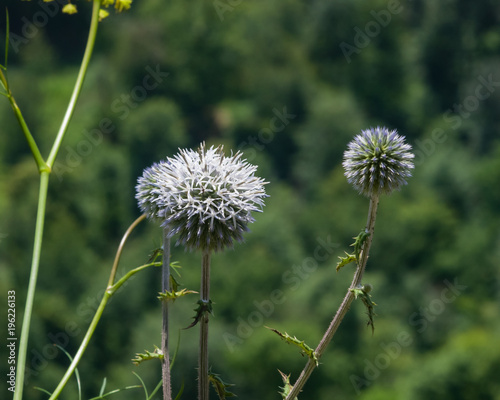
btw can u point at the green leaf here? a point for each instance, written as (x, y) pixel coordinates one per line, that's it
(77, 374)
(174, 295)
(42, 390)
(362, 292)
(101, 392)
(104, 395)
(148, 355)
(287, 386)
(307, 350)
(359, 242)
(181, 390)
(203, 307)
(220, 386)
(155, 255)
(345, 260)
(143, 385)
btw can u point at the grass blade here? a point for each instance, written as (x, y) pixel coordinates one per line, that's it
(77, 374)
(143, 385)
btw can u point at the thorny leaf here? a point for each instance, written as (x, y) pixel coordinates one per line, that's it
(203, 307)
(359, 242)
(139, 357)
(174, 295)
(220, 386)
(345, 260)
(308, 351)
(362, 292)
(287, 386)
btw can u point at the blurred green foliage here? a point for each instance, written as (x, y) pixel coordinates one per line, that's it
(271, 79)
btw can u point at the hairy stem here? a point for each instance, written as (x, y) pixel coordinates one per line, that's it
(344, 306)
(203, 381)
(165, 287)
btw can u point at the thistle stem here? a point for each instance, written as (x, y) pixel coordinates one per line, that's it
(165, 287)
(344, 306)
(203, 381)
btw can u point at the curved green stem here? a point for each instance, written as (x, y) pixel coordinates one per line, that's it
(37, 248)
(110, 291)
(120, 248)
(344, 307)
(79, 82)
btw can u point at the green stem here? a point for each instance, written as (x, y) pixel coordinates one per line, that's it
(44, 168)
(79, 82)
(40, 162)
(203, 381)
(28, 310)
(110, 291)
(344, 307)
(120, 248)
(167, 388)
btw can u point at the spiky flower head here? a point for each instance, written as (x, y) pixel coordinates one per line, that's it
(378, 161)
(204, 196)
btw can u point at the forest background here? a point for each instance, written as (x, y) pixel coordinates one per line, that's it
(289, 83)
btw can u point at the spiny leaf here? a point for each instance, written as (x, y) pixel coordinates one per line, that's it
(148, 355)
(203, 307)
(155, 254)
(220, 386)
(287, 388)
(174, 295)
(362, 292)
(359, 242)
(308, 351)
(345, 260)
(175, 266)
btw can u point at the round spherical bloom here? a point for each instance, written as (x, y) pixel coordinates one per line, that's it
(203, 196)
(378, 161)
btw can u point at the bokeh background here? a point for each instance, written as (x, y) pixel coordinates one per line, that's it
(289, 83)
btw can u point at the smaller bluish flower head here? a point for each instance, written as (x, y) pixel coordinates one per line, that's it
(378, 161)
(203, 196)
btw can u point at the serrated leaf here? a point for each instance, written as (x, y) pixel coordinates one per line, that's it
(307, 350)
(148, 355)
(155, 255)
(220, 386)
(345, 260)
(203, 307)
(287, 388)
(359, 242)
(174, 295)
(362, 292)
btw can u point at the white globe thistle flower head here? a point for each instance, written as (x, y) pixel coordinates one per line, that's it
(378, 161)
(203, 196)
